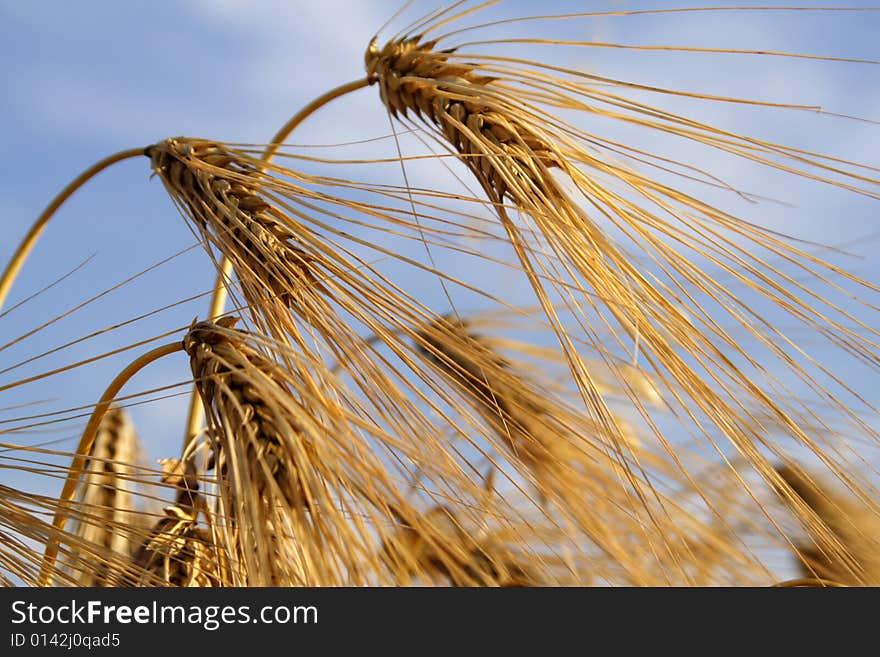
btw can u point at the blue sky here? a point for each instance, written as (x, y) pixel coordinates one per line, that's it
(83, 80)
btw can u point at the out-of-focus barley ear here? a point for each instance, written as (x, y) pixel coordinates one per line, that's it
(606, 492)
(71, 481)
(440, 546)
(180, 551)
(525, 422)
(842, 542)
(535, 428)
(109, 496)
(504, 399)
(548, 177)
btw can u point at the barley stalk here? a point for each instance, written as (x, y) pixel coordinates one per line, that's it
(29, 241)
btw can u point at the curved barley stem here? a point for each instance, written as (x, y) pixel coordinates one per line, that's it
(85, 446)
(319, 102)
(27, 244)
(195, 416)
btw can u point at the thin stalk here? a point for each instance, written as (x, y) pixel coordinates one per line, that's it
(85, 447)
(218, 303)
(319, 102)
(27, 244)
(218, 299)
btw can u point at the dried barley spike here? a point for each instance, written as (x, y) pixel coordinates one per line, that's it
(613, 499)
(497, 147)
(221, 364)
(441, 544)
(109, 515)
(850, 554)
(219, 189)
(282, 481)
(177, 552)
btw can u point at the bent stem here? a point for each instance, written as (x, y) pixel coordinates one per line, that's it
(27, 244)
(85, 447)
(218, 298)
(319, 102)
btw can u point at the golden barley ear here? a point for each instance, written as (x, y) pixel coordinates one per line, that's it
(501, 397)
(843, 531)
(237, 208)
(504, 153)
(536, 428)
(218, 188)
(258, 454)
(302, 497)
(111, 509)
